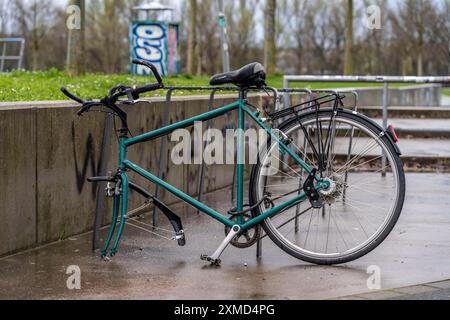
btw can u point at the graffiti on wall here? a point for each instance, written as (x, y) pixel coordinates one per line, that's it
(89, 167)
(173, 49)
(158, 43)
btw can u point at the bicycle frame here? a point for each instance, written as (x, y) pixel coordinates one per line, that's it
(242, 107)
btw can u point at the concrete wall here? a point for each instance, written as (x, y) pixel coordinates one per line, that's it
(47, 153)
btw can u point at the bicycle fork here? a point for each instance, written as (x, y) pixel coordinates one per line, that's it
(120, 203)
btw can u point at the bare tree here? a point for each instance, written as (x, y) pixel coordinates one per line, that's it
(5, 16)
(270, 36)
(411, 25)
(208, 42)
(241, 23)
(441, 33)
(348, 61)
(34, 19)
(192, 37)
(107, 39)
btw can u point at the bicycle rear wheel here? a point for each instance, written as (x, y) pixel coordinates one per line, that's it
(361, 208)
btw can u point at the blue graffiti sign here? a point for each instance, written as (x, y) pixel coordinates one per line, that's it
(156, 42)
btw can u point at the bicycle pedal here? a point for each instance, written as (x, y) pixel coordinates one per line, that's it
(214, 262)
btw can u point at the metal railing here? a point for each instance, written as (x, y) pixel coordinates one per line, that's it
(4, 57)
(386, 80)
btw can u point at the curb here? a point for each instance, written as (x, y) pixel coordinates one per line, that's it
(415, 292)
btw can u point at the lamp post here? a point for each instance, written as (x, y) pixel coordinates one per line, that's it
(76, 41)
(224, 38)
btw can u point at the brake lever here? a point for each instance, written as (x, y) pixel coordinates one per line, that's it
(132, 99)
(85, 108)
(81, 111)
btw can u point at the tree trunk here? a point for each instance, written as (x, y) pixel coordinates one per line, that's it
(76, 47)
(192, 37)
(420, 41)
(348, 63)
(269, 38)
(35, 51)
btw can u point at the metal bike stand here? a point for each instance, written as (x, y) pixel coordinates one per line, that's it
(203, 166)
(101, 190)
(355, 109)
(297, 210)
(162, 152)
(286, 94)
(385, 124)
(166, 119)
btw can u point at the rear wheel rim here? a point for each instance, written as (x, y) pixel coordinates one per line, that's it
(304, 239)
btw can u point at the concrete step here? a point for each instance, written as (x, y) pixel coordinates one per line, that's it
(420, 128)
(418, 155)
(425, 155)
(412, 148)
(408, 112)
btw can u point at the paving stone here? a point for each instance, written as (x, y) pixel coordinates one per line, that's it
(415, 289)
(441, 284)
(381, 295)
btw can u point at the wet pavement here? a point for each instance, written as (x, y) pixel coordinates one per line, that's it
(149, 267)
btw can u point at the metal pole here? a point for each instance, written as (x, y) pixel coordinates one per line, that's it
(259, 244)
(3, 57)
(286, 96)
(203, 165)
(162, 153)
(224, 38)
(22, 49)
(385, 121)
(101, 194)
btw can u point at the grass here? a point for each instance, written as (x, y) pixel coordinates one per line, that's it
(446, 92)
(42, 86)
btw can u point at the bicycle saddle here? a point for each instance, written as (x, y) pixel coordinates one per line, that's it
(250, 75)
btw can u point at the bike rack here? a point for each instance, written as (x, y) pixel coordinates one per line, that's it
(286, 93)
(286, 97)
(166, 120)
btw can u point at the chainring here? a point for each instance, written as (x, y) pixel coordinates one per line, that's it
(245, 239)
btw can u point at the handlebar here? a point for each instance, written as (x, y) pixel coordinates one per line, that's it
(120, 91)
(151, 67)
(72, 96)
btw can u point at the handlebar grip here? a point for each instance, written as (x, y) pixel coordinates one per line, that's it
(72, 96)
(151, 67)
(146, 88)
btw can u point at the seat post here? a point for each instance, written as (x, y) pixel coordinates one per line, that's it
(242, 94)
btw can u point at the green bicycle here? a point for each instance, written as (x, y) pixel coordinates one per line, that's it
(328, 186)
